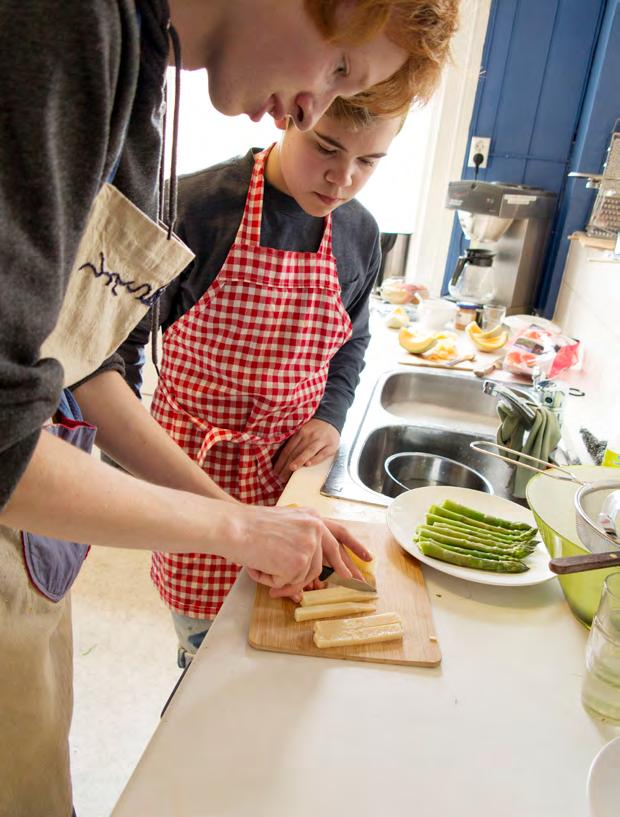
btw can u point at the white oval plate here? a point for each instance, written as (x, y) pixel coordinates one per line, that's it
(408, 511)
(604, 781)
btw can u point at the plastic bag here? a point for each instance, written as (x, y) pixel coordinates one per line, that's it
(537, 348)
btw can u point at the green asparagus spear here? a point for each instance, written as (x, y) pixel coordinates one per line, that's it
(479, 533)
(463, 510)
(444, 538)
(438, 552)
(478, 554)
(482, 536)
(440, 516)
(473, 523)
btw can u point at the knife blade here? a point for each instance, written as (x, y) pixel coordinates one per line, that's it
(462, 359)
(353, 584)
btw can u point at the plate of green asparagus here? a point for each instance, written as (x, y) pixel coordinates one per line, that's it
(470, 534)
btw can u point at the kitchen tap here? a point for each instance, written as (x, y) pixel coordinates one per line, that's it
(520, 404)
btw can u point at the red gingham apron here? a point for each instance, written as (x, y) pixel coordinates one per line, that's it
(241, 372)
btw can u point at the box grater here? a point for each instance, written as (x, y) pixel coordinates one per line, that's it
(605, 217)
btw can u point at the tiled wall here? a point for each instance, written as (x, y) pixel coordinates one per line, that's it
(588, 308)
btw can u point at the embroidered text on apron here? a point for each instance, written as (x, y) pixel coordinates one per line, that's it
(241, 372)
(123, 260)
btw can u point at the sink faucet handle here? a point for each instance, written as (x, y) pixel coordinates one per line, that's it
(513, 400)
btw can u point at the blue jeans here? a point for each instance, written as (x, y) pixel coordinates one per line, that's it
(191, 633)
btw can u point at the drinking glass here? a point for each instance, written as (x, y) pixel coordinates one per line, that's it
(492, 316)
(601, 687)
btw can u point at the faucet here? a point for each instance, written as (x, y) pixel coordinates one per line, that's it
(513, 400)
(551, 394)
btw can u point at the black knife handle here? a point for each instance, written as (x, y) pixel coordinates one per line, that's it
(326, 573)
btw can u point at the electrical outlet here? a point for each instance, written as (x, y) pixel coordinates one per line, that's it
(479, 144)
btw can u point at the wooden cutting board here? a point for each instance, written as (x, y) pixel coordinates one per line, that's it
(401, 589)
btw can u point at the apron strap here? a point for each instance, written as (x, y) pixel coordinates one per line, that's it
(325, 248)
(249, 229)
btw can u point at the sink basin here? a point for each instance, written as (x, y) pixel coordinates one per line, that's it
(458, 401)
(454, 445)
(436, 413)
(419, 469)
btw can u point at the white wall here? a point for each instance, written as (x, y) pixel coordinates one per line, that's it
(452, 109)
(588, 308)
(207, 137)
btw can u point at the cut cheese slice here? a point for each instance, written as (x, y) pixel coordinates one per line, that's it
(361, 623)
(389, 632)
(367, 569)
(364, 630)
(347, 608)
(334, 595)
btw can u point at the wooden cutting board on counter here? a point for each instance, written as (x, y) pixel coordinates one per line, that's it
(401, 589)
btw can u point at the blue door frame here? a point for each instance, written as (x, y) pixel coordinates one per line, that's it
(600, 111)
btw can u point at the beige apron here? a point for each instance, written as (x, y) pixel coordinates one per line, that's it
(123, 261)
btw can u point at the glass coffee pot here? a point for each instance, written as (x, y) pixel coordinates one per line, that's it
(473, 279)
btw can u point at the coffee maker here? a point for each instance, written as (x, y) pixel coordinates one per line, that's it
(510, 224)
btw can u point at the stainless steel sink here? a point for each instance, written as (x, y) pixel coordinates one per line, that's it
(382, 442)
(437, 396)
(432, 412)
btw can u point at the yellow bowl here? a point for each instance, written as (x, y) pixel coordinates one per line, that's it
(552, 503)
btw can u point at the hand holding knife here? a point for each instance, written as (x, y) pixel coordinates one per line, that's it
(354, 584)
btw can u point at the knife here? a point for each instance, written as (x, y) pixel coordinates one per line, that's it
(483, 371)
(462, 359)
(353, 584)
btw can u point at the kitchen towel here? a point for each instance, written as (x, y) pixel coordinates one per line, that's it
(539, 440)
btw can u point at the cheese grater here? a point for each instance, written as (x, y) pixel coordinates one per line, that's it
(605, 217)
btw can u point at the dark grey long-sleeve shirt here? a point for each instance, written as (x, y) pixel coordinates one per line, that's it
(71, 74)
(211, 205)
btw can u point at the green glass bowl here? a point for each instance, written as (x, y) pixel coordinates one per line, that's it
(551, 502)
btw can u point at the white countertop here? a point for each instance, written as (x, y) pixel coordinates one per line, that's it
(497, 730)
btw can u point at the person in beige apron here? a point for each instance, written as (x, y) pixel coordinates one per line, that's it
(36, 572)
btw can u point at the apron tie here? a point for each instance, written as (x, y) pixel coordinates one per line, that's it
(173, 186)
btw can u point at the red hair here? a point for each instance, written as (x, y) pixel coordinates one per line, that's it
(423, 28)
